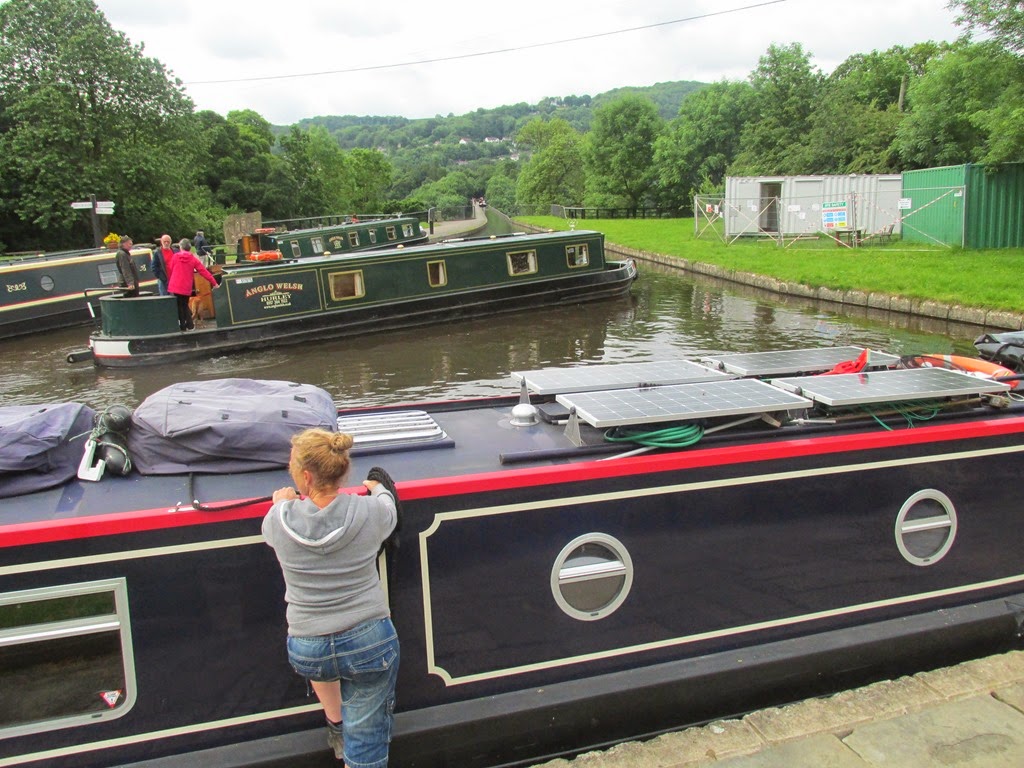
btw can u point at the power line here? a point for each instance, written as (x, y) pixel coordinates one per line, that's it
(487, 53)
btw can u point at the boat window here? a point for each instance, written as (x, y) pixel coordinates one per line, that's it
(353, 239)
(926, 527)
(407, 230)
(46, 283)
(296, 249)
(67, 652)
(577, 255)
(437, 274)
(522, 262)
(373, 235)
(318, 245)
(391, 233)
(592, 576)
(347, 285)
(108, 274)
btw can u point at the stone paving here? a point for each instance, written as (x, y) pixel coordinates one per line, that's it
(967, 716)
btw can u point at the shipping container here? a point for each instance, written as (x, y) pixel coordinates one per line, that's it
(966, 205)
(793, 206)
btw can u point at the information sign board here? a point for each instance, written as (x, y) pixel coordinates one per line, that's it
(834, 215)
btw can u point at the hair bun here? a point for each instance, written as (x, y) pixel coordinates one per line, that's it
(341, 441)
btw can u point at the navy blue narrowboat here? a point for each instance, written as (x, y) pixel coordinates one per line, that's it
(609, 552)
(292, 300)
(55, 290)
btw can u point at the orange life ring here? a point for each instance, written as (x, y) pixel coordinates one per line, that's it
(972, 365)
(264, 256)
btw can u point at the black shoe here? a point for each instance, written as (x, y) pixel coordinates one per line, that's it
(335, 741)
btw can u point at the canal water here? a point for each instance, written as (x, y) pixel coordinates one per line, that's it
(668, 315)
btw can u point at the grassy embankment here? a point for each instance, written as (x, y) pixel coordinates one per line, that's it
(988, 279)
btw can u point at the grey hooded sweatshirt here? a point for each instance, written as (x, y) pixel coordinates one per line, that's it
(328, 559)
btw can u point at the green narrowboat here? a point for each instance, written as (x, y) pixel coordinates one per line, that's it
(284, 302)
(270, 244)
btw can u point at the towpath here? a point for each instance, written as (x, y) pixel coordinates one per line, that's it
(460, 227)
(967, 716)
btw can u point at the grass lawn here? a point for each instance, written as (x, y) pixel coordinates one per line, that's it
(990, 279)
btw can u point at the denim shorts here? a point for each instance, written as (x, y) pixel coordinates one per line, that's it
(365, 660)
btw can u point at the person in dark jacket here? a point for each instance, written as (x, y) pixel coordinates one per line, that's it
(202, 245)
(161, 257)
(126, 269)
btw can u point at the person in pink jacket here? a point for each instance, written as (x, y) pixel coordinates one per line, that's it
(180, 282)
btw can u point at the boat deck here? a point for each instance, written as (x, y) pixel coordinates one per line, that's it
(446, 444)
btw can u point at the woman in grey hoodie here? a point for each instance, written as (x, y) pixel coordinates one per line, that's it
(340, 635)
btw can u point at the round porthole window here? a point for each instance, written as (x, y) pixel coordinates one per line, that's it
(591, 576)
(926, 527)
(46, 283)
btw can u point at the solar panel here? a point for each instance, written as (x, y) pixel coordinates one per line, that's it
(794, 361)
(680, 402)
(888, 386)
(587, 378)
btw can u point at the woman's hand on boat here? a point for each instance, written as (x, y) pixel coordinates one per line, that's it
(370, 484)
(285, 494)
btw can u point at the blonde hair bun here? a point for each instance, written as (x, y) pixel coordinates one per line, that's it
(341, 441)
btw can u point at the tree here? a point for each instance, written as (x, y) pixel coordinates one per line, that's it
(371, 179)
(314, 177)
(85, 112)
(966, 108)
(786, 90)
(854, 124)
(452, 191)
(1002, 20)
(702, 141)
(237, 158)
(620, 150)
(554, 173)
(501, 193)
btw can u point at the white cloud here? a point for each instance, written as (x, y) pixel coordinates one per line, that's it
(214, 40)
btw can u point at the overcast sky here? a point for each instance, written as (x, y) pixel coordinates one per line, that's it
(497, 53)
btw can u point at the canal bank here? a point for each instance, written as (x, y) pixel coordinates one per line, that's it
(985, 319)
(967, 716)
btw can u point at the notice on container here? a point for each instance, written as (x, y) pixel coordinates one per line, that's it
(905, 204)
(833, 215)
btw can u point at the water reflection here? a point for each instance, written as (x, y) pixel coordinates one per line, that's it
(667, 315)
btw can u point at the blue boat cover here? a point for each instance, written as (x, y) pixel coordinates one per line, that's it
(41, 445)
(224, 425)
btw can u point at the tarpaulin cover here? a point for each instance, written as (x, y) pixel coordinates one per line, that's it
(1004, 348)
(224, 425)
(41, 445)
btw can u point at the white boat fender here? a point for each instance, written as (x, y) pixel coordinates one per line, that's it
(103, 450)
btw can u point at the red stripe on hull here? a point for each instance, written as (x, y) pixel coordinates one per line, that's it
(157, 519)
